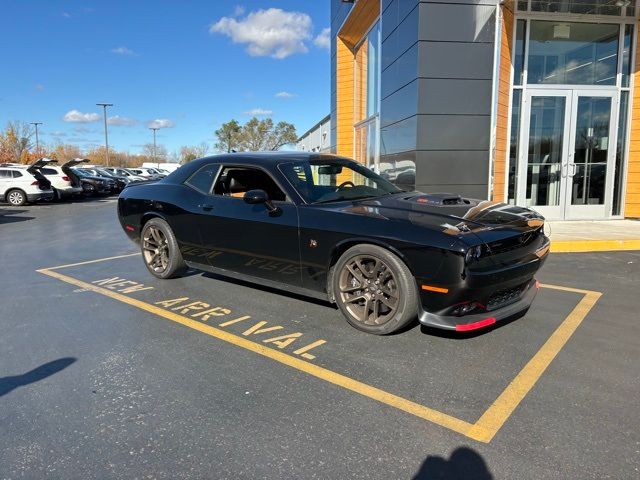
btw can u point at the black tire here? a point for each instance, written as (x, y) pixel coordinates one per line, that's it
(165, 261)
(390, 298)
(16, 197)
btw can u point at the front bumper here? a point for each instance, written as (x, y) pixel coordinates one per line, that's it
(486, 318)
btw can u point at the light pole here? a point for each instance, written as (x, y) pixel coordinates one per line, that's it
(35, 124)
(154, 145)
(106, 136)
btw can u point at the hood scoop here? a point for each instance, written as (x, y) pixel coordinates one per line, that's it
(440, 199)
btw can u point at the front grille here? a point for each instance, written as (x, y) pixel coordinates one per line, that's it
(505, 297)
(513, 243)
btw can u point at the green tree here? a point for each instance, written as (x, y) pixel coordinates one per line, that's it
(228, 136)
(255, 135)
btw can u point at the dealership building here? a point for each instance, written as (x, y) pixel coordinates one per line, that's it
(532, 102)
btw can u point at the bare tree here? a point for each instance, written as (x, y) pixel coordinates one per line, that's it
(191, 153)
(15, 141)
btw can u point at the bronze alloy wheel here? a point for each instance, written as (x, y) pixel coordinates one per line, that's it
(368, 289)
(155, 248)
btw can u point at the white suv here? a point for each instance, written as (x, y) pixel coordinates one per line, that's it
(62, 184)
(19, 185)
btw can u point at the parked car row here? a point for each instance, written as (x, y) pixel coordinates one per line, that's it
(44, 180)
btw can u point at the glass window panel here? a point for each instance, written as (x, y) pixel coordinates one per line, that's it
(544, 162)
(620, 151)
(591, 151)
(593, 7)
(513, 145)
(626, 55)
(518, 61)
(373, 70)
(573, 53)
(522, 5)
(631, 9)
(367, 75)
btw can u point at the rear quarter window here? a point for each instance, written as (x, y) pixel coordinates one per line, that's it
(202, 180)
(16, 174)
(48, 171)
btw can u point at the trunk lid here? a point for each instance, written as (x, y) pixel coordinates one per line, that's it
(68, 169)
(34, 170)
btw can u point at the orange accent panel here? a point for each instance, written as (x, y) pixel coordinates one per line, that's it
(435, 289)
(632, 196)
(504, 98)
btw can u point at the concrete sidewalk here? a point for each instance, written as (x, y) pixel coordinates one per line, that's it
(588, 236)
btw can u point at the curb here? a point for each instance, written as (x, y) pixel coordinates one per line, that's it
(575, 246)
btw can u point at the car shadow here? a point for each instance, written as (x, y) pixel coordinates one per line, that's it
(464, 463)
(8, 216)
(8, 384)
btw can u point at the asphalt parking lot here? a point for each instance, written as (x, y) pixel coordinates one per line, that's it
(106, 372)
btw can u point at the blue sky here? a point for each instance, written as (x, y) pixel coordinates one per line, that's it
(188, 66)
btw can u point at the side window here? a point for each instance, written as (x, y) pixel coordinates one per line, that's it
(236, 181)
(48, 171)
(16, 174)
(203, 178)
(5, 174)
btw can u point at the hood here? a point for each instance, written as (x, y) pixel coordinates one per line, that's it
(449, 213)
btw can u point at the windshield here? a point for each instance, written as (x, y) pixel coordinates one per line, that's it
(335, 180)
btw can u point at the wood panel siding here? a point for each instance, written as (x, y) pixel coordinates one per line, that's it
(632, 195)
(501, 158)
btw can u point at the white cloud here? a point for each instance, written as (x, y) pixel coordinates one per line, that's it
(272, 32)
(58, 133)
(75, 116)
(285, 95)
(123, 51)
(238, 11)
(119, 121)
(259, 112)
(160, 123)
(66, 14)
(323, 40)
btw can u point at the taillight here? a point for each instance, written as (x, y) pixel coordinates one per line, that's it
(66, 179)
(34, 183)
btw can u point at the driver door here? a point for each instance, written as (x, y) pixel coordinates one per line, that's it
(245, 238)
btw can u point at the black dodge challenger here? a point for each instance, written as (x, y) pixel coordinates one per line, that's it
(328, 227)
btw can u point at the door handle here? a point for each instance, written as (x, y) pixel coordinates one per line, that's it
(206, 206)
(574, 169)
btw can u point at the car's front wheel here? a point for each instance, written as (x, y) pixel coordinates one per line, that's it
(374, 289)
(160, 250)
(16, 197)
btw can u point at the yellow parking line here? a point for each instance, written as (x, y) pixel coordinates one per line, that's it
(498, 413)
(483, 430)
(390, 399)
(90, 261)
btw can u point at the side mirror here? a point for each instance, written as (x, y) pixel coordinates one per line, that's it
(254, 197)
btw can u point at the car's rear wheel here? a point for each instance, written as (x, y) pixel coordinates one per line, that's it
(374, 289)
(16, 197)
(160, 250)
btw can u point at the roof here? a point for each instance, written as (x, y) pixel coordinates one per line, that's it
(267, 157)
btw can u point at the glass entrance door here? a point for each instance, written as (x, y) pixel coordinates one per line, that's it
(568, 153)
